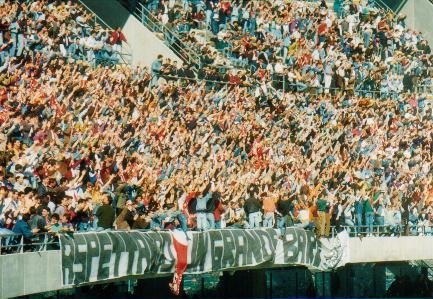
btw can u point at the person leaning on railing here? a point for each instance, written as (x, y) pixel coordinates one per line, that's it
(22, 228)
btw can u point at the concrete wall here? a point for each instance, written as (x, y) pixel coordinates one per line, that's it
(37, 272)
(420, 17)
(30, 273)
(390, 249)
(144, 44)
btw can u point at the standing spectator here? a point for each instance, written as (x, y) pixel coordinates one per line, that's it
(285, 210)
(83, 213)
(117, 37)
(253, 207)
(105, 214)
(156, 70)
(210, 207)
(37, 221)
(125, 219)
(66, 223)
(369, 213)
(359, 211)
(269, 209)
(379, 210)
(201, 207)
(236, 215)
(22, 227)
(323, 216)
(218, 212)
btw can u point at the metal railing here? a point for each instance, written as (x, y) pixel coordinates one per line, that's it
(11, 243)
(392, 230)
(402, 4)
(381, 4)
(14, 243)
(300, 87)
(95, 61)
(391, 5)
(172, 38)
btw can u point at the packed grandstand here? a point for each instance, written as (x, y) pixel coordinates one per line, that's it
(298, 113)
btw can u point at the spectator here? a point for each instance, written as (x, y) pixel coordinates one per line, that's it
(22, 227)
(105, 214)
(156, 70)
(323, 222)
(201, 207)
(269, 210)
(285, 211)
(252, 208)
(37, 220)
(54, 226)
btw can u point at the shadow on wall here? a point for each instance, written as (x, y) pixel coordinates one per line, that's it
(113, 18)
(394, 4)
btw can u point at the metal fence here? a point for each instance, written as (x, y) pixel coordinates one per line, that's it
(11, 243)
(278, 85)
(394, 230)
(14, 243)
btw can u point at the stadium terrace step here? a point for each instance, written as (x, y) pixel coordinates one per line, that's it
(138, 36)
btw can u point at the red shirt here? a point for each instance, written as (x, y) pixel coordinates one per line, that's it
(117, 38)
(322, 28)
(219, 209)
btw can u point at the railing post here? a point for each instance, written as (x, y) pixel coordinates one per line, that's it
(284, 83)
(22, 244)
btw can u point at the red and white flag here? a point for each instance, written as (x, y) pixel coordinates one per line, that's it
(180, 243)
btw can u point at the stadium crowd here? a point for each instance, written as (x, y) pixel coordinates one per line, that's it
(304, 44)
(55, 28)
(92, 147)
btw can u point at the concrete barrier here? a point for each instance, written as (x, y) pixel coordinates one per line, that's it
(389, 249)
(37, 272)
(30, 273)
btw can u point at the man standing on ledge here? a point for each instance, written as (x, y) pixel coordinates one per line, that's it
(323, 216)
(105, 214)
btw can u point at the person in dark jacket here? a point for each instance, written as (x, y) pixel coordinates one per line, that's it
(22, 228)
(36, 219)
(210, 207)
(253, 208)
(285, 211)
(105, 214)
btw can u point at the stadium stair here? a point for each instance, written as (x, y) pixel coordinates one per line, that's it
(164, 33)
(139, 37)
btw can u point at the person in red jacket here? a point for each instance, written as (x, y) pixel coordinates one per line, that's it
(117, 37)
(219, 210)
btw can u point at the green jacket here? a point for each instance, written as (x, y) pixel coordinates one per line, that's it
(368, 204)
(322, 205)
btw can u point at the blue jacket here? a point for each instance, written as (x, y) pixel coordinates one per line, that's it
(22, 228)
